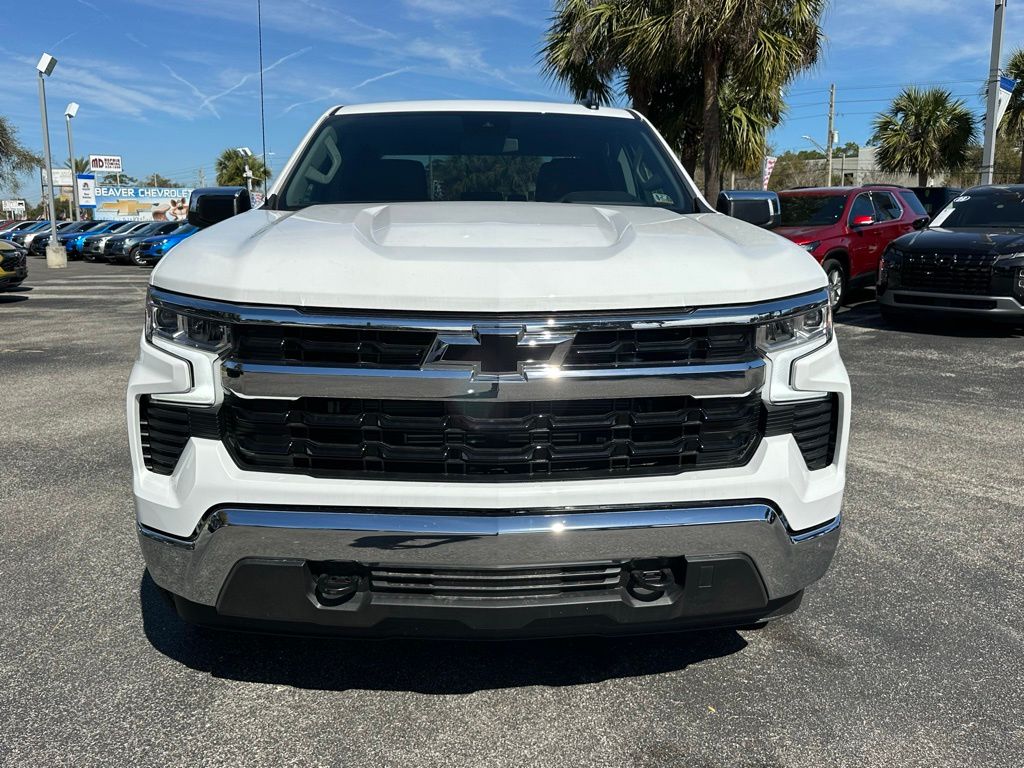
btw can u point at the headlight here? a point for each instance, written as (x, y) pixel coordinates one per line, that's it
(812, 329)
(179, 328)
(811, 246)
(1020, 282)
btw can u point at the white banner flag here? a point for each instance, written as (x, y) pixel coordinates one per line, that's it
(766, 173)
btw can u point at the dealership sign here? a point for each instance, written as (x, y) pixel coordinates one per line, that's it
(61, 177)
(17, 207)
(105, 164)
(141, 203)
(86, 190)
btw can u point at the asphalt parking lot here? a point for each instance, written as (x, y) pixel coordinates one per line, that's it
(909, 653)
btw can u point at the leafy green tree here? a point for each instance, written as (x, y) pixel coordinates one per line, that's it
(81, 164)
(125, 179)
(925, 131)
(15, 158)
(156, 180)
(708, 75)
(230, 169)
(1012, 126)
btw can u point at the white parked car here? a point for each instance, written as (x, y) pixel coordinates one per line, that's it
(486, 368)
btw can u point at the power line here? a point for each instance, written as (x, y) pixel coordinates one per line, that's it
(824, 90)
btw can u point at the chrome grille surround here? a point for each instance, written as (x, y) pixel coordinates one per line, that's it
(441, 378)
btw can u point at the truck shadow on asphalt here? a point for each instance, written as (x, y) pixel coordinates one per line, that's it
(865, 314)
(440, 667)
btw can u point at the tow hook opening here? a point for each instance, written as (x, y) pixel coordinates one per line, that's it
(336, 583)
(649, 580)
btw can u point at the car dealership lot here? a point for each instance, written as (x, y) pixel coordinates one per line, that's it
(908, 653)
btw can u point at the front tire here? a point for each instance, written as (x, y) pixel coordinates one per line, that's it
(837, 282)
(135, 257)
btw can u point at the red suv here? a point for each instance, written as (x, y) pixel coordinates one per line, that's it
(848, 228)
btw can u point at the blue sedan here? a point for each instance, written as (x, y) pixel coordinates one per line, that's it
(154, 248)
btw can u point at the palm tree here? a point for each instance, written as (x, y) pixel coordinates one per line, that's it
(81, 164)
(1012, 126)
(230, 168)
(925, 131)
(676, 61)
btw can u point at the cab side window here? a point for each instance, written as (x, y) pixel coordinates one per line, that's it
(862, 206)
(886, 207)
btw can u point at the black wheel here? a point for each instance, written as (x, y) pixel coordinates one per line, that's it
(88, 256)
(135, 257)
(837, 282)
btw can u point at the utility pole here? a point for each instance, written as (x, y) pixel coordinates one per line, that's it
(831, 133)
(988, 157)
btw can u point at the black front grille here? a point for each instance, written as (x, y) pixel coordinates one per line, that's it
(387, 348)
(448, 440)
(12, 262)
(167, 428)
(947, 273)
(661, 346)
(814, 425)
(300, 345)
(488, 441)
(497, 583)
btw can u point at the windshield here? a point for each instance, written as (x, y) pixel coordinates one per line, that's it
(812, 210)
(990, 209)
(485, 156)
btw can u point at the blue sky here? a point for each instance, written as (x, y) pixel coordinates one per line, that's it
(167, 84)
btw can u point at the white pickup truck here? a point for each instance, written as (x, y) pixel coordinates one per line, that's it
(485, 369)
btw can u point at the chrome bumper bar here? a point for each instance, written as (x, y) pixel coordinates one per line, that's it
(197, 568)
(291, 382)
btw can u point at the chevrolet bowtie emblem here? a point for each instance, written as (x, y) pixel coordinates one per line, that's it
(499, 350)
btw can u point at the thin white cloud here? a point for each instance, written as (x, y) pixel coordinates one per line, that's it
(63, 39)
(194, 89)
(135, 40)
(384, 76)
(476, 9)
(209, 100)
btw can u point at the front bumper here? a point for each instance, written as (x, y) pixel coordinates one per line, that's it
(13, 269)
(728, 565)
(239, 546)
(996, 307)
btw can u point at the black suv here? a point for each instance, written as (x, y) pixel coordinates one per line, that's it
(970, 259)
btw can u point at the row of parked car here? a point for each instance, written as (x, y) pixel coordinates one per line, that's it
(960, 252)
(137, 242)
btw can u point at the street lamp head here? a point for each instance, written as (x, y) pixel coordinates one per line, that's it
(72, 110)
(46, 64)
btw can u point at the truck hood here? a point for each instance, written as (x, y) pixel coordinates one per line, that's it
(486, 257)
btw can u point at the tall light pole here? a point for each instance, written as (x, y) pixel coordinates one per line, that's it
(826, 153)
(56, 257)
(988, 156)
(69, 114)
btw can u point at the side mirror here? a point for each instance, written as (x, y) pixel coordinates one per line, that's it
(211, 205)
(763, 209)
(921, 223)
(862, 221)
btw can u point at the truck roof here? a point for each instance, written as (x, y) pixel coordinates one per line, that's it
(474, 105)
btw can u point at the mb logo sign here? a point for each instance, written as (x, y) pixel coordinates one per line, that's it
(105, 163)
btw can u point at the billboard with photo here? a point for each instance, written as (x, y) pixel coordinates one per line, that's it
(141, 203)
